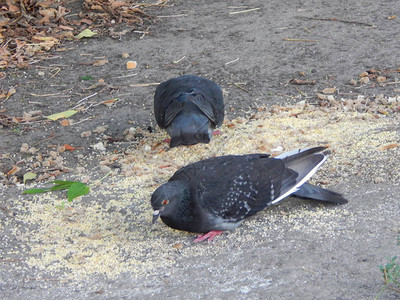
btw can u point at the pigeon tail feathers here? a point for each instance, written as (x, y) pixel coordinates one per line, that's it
(189, 128)
(314, 192)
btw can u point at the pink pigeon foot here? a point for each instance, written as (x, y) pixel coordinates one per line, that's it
(216, 132)
(207, 236)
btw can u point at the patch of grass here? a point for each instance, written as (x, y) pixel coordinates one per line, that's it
(391, 273)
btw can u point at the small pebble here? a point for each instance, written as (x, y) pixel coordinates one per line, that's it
(80, 170)
(86, 134)
(24, 148)
(381, 79)
(100, 129)
(379, 180)
(330, 98)
(99, 146)
(105, 169)
(329, 90)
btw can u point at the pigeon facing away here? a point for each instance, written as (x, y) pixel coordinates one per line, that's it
(217, 194)
(189, 108)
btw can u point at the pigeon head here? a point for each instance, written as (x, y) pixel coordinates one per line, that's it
(167, 198)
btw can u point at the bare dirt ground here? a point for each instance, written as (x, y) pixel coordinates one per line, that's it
(102, 245)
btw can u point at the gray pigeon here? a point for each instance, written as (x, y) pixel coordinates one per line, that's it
(217, 194)
(189, 107)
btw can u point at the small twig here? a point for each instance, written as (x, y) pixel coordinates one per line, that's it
(81, 121)
(172, 16)
(299, 40)
(45, 95)
(243, 11)
(102, 178)
(56, 72)
(146, 31)
(52, 136)
(309, 270)
(240, 87)
(48, 279)
(125, 76)
(84, 99)
(284, 28)
(338, 20)
(393, 288)
(11, 260)
(144, 84)
(232, 61)
(150, 4)
(300, 91)
(394, 82)
(179, 60)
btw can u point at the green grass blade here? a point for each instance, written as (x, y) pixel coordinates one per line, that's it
(35, 191)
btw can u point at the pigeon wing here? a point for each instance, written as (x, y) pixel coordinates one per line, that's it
(164, 99)
(205, 106)
(209, 99)
(171, 111)
(235, 187)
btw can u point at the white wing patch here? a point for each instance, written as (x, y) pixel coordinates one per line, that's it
(301, 182)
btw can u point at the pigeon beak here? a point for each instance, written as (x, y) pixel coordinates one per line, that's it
(156, 214)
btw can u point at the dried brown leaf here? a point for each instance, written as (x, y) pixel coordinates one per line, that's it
(100, 62)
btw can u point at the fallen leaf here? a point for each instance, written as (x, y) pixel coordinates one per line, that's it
(100, 62)
(10, 92)
(77, 189)
(390, 146)
(178, 246)
(13, 170)
(64, 114)
(329, 90)
(392, 17)
(85, 33)
(64, 122)
(163, 167)
(110, 102)
(69, 147)
(46, 42)
(302, 82)
(29, 176)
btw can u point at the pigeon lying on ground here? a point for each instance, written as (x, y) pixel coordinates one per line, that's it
(189, 108)
(217, 194)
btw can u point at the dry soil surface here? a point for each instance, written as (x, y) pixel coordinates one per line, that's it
(260, 52)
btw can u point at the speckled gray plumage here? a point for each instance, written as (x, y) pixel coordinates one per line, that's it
(219, 193)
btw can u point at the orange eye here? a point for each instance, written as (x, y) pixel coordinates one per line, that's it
(165, 202)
